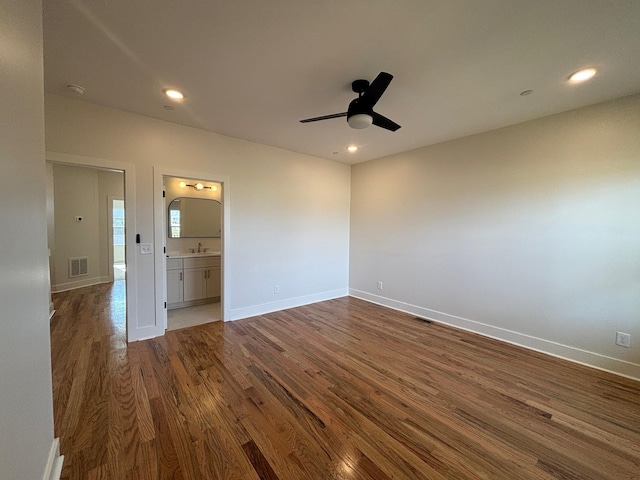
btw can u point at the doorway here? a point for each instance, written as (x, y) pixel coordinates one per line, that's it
(193, 246)
(169, 265)
(80, 227)
(118, 238)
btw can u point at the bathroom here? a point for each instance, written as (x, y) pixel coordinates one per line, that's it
(193, 251)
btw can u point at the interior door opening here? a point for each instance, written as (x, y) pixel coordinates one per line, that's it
(119, 239)
(193, 233)
(87, 235)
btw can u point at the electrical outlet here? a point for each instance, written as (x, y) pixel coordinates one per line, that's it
(623, 339)
(379, 285)
(276, 289)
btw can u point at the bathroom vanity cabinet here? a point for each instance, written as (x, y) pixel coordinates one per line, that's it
(192, 281)
(175, 282)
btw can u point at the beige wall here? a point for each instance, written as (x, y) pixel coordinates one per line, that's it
(530, 233)
(289, 212)
(26, 417)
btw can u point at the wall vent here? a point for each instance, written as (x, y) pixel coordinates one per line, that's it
(78, 267)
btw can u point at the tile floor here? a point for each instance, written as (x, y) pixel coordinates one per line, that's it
(192, 316)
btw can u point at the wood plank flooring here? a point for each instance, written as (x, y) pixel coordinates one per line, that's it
(341, 389)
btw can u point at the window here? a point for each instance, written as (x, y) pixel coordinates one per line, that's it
(118, 222)
(175, 223)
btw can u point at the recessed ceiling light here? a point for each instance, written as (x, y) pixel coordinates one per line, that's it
(173, 93)
(75, 89)
(582, 75)
(352, 148)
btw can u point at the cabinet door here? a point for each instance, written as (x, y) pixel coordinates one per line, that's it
(195, 284)
(174, 286)
(213, 282)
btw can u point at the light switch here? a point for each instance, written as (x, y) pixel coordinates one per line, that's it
(146, 248)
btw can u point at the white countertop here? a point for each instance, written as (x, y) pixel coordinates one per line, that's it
(192, 255)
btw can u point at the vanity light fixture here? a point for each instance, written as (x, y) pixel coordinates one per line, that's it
(198, 186)
(173, 93)
(582, 75)
(352, 148)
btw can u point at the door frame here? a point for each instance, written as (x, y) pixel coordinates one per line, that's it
(160, 237)
(130, 224)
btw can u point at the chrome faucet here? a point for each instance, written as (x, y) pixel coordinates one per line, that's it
(199, 247)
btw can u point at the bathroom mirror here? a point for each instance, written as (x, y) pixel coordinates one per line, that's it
(194, 218)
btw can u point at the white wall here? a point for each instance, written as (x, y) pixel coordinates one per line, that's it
(26, 416)
(75, 193)
(289, 212)
(530, 233)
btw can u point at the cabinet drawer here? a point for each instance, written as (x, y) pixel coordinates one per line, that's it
(174, 264)
(202, 262)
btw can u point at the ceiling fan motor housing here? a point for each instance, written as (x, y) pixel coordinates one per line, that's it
(360, 113)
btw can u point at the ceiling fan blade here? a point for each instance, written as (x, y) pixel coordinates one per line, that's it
(372, 94)
(324, 117)
(384, 122)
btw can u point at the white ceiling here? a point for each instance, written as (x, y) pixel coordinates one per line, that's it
(252, 69)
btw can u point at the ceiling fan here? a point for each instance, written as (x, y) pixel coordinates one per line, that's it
(360, 113)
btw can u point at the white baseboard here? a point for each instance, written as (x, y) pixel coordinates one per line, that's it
(566, 352)
(152, 331)
(85, 282)
(252, 311)
(144, 333)
(53, 469)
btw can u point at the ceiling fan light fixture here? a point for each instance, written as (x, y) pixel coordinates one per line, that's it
(360, 113)
(360, 121)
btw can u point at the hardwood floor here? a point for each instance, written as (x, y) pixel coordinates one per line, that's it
(341, 389)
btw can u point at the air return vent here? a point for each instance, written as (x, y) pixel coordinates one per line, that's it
(78, 267)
